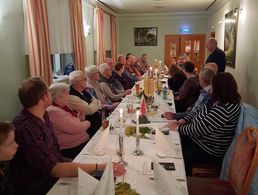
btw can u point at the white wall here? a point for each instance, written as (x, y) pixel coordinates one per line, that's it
(88, 13)
(246, 68)
(13, 63)
(166, 24)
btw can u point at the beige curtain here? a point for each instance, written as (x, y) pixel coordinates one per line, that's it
(113, 38)
(60, 26)
(79, 42)
(101, 55)
(38, 39)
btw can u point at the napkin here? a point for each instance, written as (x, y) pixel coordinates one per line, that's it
(164, 146)
(100, 147)
(166, 183)
(88, 185)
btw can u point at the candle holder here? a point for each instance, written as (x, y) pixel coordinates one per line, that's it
(137, 151)
(120, 151)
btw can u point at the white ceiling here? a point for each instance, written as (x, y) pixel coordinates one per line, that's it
(157, 6)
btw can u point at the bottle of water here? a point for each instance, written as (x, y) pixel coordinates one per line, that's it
(165, 93)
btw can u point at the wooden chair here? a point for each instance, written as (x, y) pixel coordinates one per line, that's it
(242, 169)
(206, 170)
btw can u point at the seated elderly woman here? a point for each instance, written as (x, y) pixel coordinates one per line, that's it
(8, 148)
(107, 86)
(69, 129)
(144, 66)
(207, 133)
(94, 88)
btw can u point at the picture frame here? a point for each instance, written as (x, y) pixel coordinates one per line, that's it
(145, 36)
(230, 37)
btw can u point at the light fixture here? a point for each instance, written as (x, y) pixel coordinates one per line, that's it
(235, 12)
(86, 29)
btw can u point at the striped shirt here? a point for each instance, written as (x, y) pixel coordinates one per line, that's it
(212, 129)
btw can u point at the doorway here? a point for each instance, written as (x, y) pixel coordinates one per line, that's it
(191, 45)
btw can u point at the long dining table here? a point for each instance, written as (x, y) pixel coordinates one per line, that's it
(138, 171)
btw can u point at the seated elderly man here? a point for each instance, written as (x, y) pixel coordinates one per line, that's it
(107, 86)
(94, 88)
(212, 66)
(126, 75)
(205, 78)
(109, 62)
(83, 102)
(118, 76)
(69, 129)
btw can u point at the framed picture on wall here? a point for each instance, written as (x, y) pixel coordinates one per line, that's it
(230, 37)
(145, 36)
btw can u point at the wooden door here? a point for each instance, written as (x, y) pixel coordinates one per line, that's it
(172, 48)
(192, 45)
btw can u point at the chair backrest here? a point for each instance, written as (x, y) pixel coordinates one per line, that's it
(244, 161)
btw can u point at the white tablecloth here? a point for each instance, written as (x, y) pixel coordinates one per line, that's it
(138, 172)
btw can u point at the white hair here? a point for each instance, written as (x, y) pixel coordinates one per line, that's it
(58, 89)
(120, 56)
(103, 67)
(212, 66)
(90, 70)
(76, 76)
(207, 74)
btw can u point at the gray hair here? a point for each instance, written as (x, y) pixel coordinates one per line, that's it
(207, 75)
(76, 76)
(120, 56)
(212, 66)
(107, 60)
(58, 89)
(103, 67)
(90, 70)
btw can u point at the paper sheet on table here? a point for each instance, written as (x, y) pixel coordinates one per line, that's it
(166, 183)
(101, 145)
(164, 146)
(88, 185)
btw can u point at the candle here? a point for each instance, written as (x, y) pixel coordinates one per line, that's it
(156, 60)
(137, 122)
(121, 118)
(150, 73)
(160, 62)
(156, 72)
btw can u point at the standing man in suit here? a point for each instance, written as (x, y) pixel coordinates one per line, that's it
(217, 55)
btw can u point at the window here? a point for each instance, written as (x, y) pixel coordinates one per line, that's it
(62, 64)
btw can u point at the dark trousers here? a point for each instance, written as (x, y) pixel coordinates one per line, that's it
(72, 152)
(194, 154)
